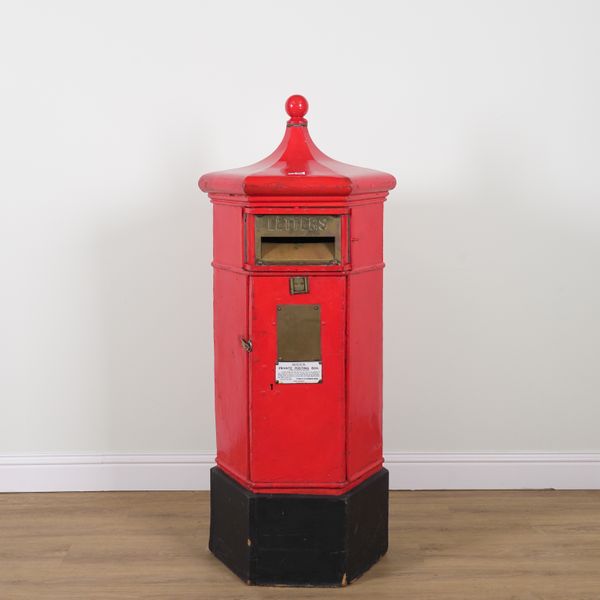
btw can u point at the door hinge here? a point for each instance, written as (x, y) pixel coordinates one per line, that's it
(246, 344)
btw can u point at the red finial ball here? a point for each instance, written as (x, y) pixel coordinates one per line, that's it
(296, 106)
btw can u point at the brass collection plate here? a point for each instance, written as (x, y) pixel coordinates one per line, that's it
(298, 332)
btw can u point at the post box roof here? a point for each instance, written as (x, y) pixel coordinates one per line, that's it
(297, 168)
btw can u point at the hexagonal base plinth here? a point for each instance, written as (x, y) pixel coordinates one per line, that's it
(298, 540)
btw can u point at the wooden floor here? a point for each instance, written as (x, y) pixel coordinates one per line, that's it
(455, 545)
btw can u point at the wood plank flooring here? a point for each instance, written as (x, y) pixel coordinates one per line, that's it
(486, 545)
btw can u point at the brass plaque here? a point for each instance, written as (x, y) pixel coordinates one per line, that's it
(298, 332)
(298, 285)
(297, 239)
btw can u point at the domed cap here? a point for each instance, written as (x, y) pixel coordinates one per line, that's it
(297, 168)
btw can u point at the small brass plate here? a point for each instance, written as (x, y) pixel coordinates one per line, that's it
(298, 285)
(298, 332)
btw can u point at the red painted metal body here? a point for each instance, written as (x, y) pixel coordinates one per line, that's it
(305, 438)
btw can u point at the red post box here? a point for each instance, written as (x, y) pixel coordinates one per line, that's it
(299, 495)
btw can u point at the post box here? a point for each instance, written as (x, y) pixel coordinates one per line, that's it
(299, 495)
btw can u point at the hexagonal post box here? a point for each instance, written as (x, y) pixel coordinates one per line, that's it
(299, 495)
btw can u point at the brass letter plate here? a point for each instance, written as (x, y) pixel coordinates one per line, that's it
(297, 239)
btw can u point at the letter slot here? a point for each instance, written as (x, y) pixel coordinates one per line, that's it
(297, 239)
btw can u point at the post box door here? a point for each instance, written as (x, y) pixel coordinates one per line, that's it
(297, 412)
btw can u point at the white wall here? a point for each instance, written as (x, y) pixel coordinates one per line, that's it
(486, 112)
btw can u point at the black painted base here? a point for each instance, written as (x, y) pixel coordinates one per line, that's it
(298, 540)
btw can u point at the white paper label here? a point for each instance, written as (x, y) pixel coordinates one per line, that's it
(298, 372)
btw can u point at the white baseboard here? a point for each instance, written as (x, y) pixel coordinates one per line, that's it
(408, 471)
(107, 472)
(458, 471)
